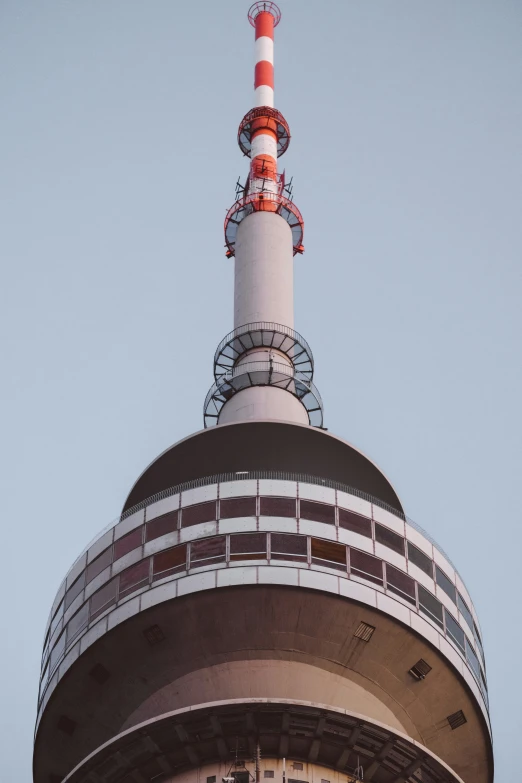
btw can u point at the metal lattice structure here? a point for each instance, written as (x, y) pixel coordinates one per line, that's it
(263, 335)
(275, 374)
(263, 119)
(264, 202)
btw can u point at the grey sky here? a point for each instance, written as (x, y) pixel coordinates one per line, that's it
(118, 159)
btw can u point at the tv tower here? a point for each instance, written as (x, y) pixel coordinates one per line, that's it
(263, 608)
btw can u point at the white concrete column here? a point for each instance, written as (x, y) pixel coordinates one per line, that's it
(264, 271)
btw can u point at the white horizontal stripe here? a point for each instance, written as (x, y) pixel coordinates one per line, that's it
(262, 185)
(264, 96)
(264, 49)
(263, 144)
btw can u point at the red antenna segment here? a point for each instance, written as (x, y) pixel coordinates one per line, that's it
(264, 135)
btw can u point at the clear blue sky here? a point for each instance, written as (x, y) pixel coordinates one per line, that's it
(118, 158)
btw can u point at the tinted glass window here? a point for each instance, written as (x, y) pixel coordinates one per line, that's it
(74, 590)
(57, 616)
(134, 577)
(319, 512)
(99, 564)
(454, 630)
(400, 583)
(103, 598)
(464, 609)
(277, 507)
(77, 623)
(196, 515)
(57, 651)
(285, 546)
(237, 507)
(207, 551)
(127, 543)
(329, 553)
(430, 606)
(419, 559)
(160, 526)
(355, 522)
(248, 546)
(472, 658)
(366, 566)
(445, 584)
(172, 561)
(389, 538)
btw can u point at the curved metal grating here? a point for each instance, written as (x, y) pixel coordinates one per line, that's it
(280, 376)
(263, 334)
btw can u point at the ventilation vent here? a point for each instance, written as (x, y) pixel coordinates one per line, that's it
(457, 719)
(66, 725)
(154, 635)
(420, 669)
(268, 773)
(364, 632)
(99, 674)
(211, 779)
(297, 765)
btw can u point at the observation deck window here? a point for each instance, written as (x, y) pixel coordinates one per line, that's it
(127, 543)
(74, 590)
(277, 507)
(134, 577)
(103, 598)
(57, 651)
(454, 630)
(57, 617)
(366, 566)
(400, 584)
(208, 551)
(419, 559)
(248, 546)
(319, 512)
(464, 610)
(328, 553)
(98, 565)
(201, 512)
(388, 538)
(77, 623)
(285, 546)
(171, 561)
(445, 584)
(430, 606)
(473, 661)
(166, 523)
(237, 507)
(355, 522)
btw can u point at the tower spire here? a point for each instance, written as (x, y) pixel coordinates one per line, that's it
(264, 368)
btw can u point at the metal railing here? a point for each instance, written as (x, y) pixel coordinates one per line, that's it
(262, 334)
(281, 376)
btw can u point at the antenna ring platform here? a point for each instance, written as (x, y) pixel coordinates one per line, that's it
(262, 119)
(264, 5)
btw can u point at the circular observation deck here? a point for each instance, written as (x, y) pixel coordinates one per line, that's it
(262, 119)
(263, 334)
(264, 202)
(336, 572)
(280, 376)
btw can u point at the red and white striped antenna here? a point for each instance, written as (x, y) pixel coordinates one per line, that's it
(263, 369)
(264, 136)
